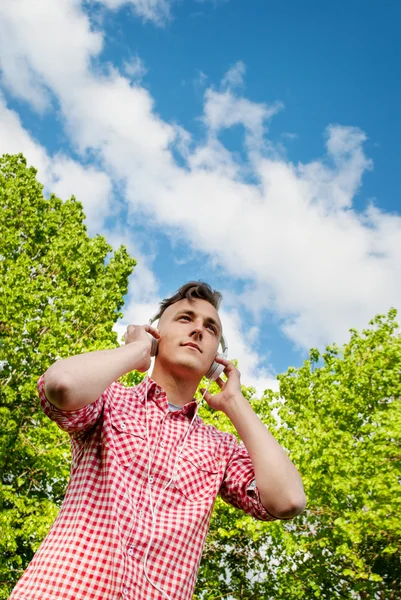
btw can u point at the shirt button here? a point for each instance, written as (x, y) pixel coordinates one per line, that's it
(125, 591)
(130, 551)
(151, 479)
(123, 425)
(162, 444)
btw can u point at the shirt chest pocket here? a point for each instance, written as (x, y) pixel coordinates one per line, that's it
(128, 438)
(198, 475)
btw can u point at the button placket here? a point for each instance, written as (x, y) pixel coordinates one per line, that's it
(161, 443)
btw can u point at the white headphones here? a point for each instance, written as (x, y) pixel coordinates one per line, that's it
(216, 368)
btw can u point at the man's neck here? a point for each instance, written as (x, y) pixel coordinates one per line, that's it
(179, 390)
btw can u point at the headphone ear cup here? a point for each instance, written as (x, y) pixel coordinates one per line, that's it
(216, 369)
(155, 344)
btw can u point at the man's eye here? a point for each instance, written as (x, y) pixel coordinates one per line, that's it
(185, 317)
(212, 328)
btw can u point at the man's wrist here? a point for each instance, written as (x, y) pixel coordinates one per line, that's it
(136, 353)
(235, 404)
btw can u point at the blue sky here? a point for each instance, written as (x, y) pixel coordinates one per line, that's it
(251, 144)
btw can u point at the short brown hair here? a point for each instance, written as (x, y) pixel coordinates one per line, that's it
(191, 291)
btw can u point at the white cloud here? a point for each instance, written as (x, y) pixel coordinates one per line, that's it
(144, 296)
(144, 288)
(15, 139)
(200, 81)
(135, 68)
(309, 255)
(292, 232)
(89, 185)
(255, 369)
(157, 11)
(53, 39)
(19, 77)
(59, 174)
(234, 77)
(224, 109)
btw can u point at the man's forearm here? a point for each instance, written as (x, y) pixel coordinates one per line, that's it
(277, 479)
(76, 381)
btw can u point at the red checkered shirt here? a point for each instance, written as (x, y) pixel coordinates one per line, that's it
(96, 547)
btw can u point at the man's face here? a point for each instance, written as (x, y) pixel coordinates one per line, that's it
(190, 335)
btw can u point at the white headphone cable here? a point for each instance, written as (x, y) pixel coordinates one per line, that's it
(153, 508)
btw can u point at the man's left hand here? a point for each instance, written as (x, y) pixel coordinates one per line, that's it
(230, 389)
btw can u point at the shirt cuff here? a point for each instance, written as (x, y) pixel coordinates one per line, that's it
(73, 422)
(253, 494)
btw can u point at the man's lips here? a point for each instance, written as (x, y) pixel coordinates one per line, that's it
(192, 345)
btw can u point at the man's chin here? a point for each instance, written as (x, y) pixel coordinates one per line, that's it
(190, 368)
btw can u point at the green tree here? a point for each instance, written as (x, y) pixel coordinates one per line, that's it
(61, 294)
(340, 420)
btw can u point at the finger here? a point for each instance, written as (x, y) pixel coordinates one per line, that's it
(153, 331)
(231, 372)
(222, 361)
(220, 382)
(228, 366)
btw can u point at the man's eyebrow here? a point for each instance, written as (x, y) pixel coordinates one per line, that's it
(192, 313)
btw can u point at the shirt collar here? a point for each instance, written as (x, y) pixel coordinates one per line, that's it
(157, 394)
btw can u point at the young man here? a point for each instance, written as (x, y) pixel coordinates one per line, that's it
(146, 469)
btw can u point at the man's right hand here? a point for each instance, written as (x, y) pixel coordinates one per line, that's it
(139, 334)
(74, 382)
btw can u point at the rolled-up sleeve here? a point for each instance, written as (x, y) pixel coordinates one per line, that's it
(73, 422)
(239, 485)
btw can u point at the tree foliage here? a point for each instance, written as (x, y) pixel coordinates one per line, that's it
(61, 294)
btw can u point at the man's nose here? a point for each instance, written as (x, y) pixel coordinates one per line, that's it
(197, 329)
